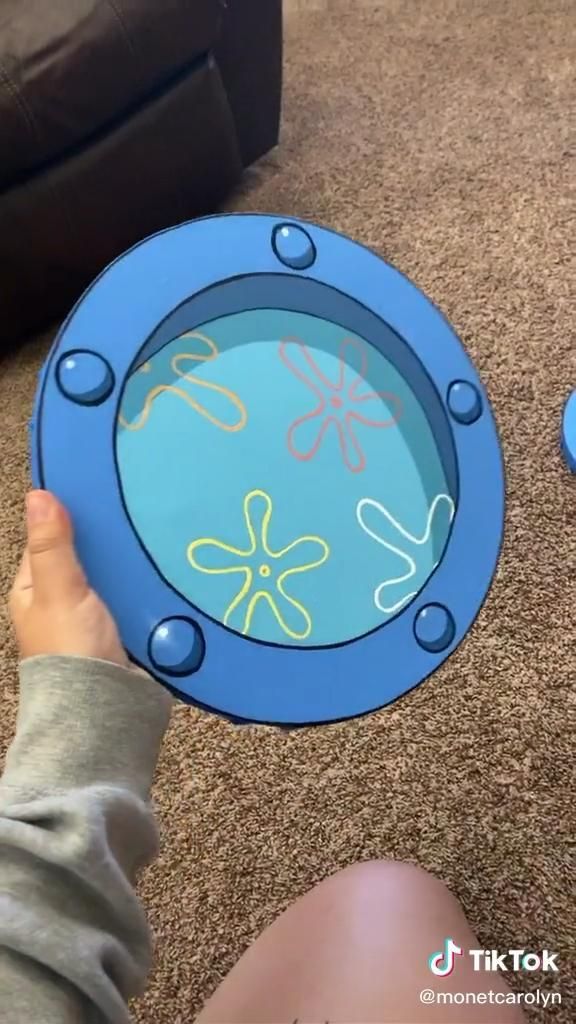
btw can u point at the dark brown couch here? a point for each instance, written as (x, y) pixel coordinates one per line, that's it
(119, 118)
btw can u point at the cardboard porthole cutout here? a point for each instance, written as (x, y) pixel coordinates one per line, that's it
(282, 467)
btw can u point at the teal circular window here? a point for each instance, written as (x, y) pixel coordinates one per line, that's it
(283, 477)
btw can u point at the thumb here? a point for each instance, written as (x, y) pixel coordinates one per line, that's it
(55, 571)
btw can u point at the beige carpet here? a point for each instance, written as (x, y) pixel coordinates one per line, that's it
(440, 132)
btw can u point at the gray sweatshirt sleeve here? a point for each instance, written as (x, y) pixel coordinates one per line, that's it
(75, 826)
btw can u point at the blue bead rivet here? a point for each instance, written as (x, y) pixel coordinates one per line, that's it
(569, 432)
(85, 378)
(293, 246)
(177, 647)
(434, 628)
(464, 402)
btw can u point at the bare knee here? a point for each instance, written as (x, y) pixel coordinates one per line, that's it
(381, 888)
(385, 873)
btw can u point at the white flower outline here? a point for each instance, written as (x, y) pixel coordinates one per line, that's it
(412, 538)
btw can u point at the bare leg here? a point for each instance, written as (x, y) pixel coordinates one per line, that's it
(355, 949)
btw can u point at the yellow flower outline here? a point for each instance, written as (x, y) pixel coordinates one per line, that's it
(264, 570)
(175, 362)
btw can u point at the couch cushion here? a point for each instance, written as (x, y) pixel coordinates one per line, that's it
(70, 67)
(176, 158)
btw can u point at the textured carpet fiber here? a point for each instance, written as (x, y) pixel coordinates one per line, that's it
(440, 132)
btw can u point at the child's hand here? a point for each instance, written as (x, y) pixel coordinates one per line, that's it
(53, 609)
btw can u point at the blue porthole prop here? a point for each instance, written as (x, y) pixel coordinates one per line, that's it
(282, 467)
(569, 432)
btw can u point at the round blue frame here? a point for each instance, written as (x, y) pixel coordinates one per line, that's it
(73, 455)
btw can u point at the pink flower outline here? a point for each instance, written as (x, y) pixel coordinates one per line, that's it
(343, 424)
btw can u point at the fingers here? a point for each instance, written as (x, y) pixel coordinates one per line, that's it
(52, 565)
(23, 578)
(21, 592)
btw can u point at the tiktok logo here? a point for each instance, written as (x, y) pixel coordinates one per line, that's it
(442, 963)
